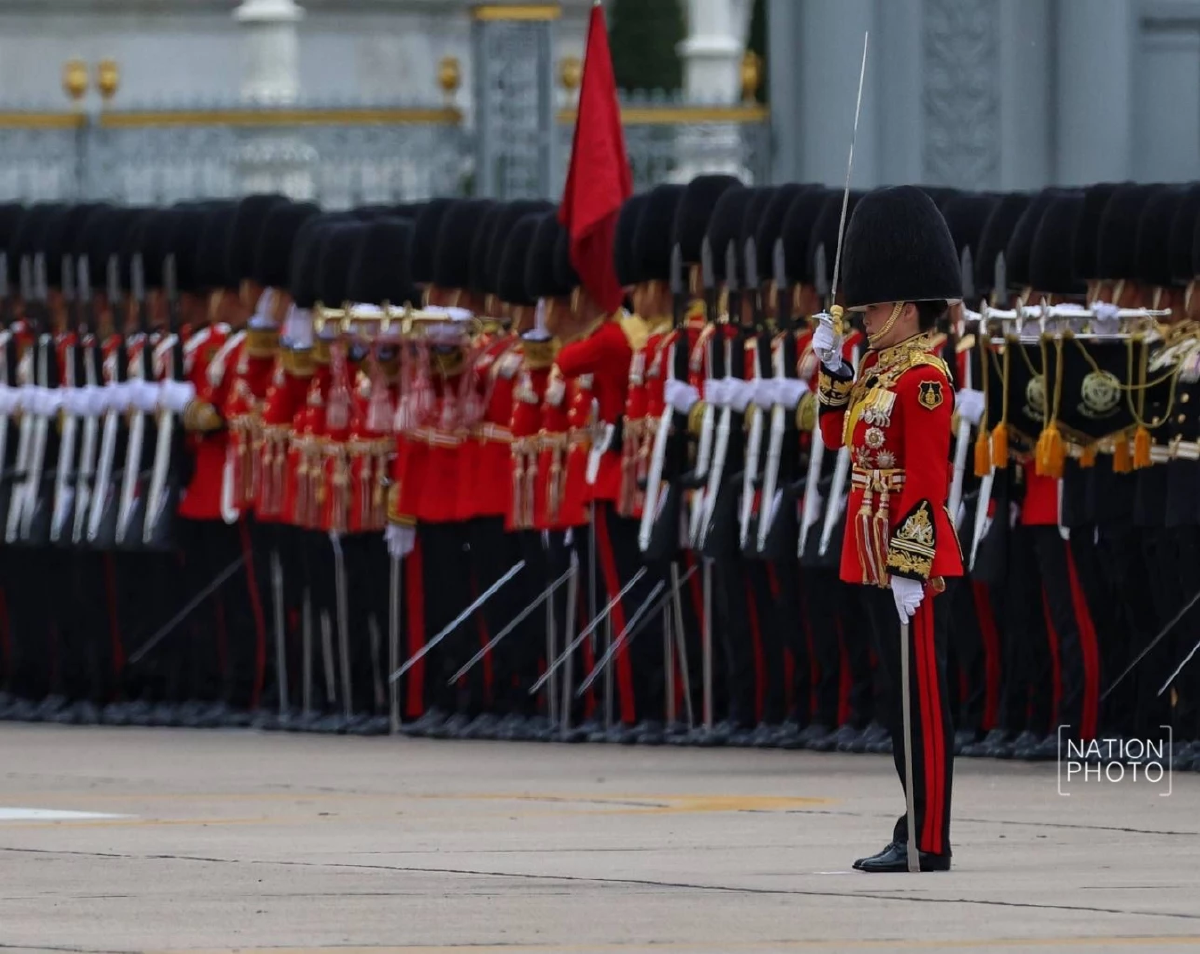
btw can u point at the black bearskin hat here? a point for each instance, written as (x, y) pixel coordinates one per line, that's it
(656, 225)
(1153, 248)
(1051, 269)
(379, 270)
(695, 208)
(725, 226)
(623, 241)
(1116, 252)
(898, 248)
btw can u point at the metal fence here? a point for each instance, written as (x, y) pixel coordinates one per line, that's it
(345, 156)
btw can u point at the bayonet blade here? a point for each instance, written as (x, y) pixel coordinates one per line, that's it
(708, 280)
(779, 265)
(3, 275)
(731, 269)
(169, 279)
(750, 257)
(820, 271)
(1000, 279)
(677, 286)
(113, 281)
(968, 274)
(26, 280)
(137, 278)
(40, 290)
(68, 279)
(83, 284)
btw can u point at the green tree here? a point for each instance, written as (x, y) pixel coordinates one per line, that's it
(644, 35)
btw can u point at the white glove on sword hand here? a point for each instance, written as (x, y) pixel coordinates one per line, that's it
(827, 344)
(908, 595)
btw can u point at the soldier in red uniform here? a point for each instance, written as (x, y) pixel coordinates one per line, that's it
(900, 543)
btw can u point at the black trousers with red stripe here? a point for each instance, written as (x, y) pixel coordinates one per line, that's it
(932, 726)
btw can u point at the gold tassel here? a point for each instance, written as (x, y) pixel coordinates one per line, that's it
(1141, 447)
(1000, 446)
(983, 457)
(1121, 462)
(1051, 453)
(1088, 457)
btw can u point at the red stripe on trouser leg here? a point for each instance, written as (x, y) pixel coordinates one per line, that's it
(414, 590)
(931, 728)
(760, 672)
(612, 583)
(921, 712)
(1090, 650)
(991, 654)
(260, 622)
(1055, 663)
(845, 677)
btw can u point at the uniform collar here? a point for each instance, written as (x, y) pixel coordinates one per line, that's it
(922, 341)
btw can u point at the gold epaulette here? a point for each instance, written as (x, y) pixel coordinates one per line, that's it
(925, 359)
(540, 354)
(262, 342)
(636, 331)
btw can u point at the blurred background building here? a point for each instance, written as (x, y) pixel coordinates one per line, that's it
(358, 101)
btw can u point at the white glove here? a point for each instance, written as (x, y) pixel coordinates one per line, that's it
(908, 595)
(1105, 316)
(400, 540)
(789, 391)
(1014, 514)
(827, 346)
(177, 395)
(764, 393)
(93, 400)
(143, 395)
(115, 396)
(680, 395)
(51, 401)
(970, 405)
(716, 392)
(9, 399)
(74, 401)
(740, 394)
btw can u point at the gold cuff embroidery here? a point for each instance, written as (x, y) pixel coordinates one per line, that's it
(202, 416)
(831, 391)
(911, 549)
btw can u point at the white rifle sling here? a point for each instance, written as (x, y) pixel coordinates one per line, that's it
(654, 479)
(720, 454)
(64, 491)
(24, 443)
(165, 420)
(133, 452)
(87, 448)
(753, 453)
(962, 443)
(774, 455)
(41, 426)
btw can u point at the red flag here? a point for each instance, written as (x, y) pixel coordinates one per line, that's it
(599, 180)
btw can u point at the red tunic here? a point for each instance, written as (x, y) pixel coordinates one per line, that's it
(896, 420)
(552, 454)
(525, 449)
(208, 362)
(482, 490)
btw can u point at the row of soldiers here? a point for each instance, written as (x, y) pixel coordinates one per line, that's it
(396, 469)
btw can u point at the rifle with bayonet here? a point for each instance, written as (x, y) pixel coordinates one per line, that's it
(162, 498)
(38, 504)
(131, 506)
(91, 375)
(72, 383)
(9, 392)
(698, 478)
(104, 502)
(779, 536)
(659, 536)
(763, 370)
(27, 398)
(718, 353)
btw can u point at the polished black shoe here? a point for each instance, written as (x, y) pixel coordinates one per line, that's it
(812, 733)
(741, 737)
(138, 713)
(764, 736)
(883, 746)
(23, 710)
(963, 738)
(980, 749)
(48, 708)
(236, 719)
(452, 728)
(874, 732)
(483, 726)
(421, 727)
(621, 734)
(1026, 740)
(786, 733)
(895, 858)
(1046, 750)
(650, 732)
(79, 713)
(830, 742)
(678, 733)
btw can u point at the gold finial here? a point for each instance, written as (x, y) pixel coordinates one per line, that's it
(108, 78)
(751, 76)
(449, 75)
(75, 79)
(570, 73)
